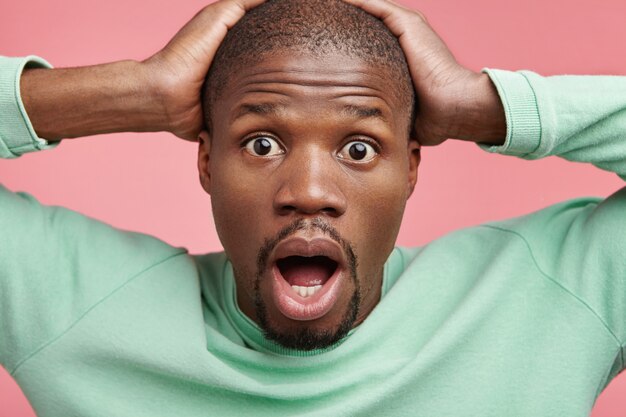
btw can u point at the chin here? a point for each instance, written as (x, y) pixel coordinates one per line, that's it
(309, 335)
(306, 291)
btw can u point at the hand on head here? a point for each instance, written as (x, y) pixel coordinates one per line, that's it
(454, 102)
(452, 99)
(181, 66)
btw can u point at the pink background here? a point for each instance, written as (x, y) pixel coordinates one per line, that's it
(148, 182)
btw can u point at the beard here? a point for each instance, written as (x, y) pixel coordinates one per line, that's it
(303, 337)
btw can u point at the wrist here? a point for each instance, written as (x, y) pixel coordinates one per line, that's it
(160, 85)
(481, 115)
(176, 95)
(139, 103)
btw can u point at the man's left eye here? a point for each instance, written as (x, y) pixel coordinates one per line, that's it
(358, 151)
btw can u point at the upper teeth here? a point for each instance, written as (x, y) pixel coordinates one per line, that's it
(306, 291)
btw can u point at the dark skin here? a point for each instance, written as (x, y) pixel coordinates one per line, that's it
(254, 196)
(309, 172)
(455, 102)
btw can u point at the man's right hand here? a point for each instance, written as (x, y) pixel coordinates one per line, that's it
(162, 93)
(184, 62)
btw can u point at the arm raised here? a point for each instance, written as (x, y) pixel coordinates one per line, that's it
(161, 93)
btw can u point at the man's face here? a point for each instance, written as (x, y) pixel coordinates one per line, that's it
(309, 168)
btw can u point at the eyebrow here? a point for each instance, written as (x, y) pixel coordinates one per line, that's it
(266, 109)
(364, 112)
(262, 109)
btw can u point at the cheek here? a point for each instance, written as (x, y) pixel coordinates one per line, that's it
(240, 205)
(377, 211)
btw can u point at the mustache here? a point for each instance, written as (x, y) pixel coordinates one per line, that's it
(317, 224)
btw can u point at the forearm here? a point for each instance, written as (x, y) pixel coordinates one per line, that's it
(74, 102)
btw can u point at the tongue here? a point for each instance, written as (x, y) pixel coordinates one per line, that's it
(306, 272)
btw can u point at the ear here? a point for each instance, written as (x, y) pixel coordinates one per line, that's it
(414, 155)
(204, 151)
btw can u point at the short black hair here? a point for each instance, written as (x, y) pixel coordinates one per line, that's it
(317, 27)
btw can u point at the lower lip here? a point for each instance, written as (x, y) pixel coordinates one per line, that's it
(295, 307)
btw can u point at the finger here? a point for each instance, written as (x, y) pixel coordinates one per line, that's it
(236, 9)
(380, 8)
(387, 11)
(398, 19)
(212, 22)
(249, 4)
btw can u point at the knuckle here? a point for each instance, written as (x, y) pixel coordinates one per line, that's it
(415, 18)
(238, 5)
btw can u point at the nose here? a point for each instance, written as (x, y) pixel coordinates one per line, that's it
(310, 186)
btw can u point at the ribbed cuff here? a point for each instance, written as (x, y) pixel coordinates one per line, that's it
(523, 135)
(17, 135)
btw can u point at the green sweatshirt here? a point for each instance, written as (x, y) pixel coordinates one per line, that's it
(523, 317)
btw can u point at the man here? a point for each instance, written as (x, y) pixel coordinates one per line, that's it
(310, 151)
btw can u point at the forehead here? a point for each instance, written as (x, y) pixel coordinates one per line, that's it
(280, 83)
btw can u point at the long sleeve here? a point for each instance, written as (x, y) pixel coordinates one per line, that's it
(578, 244)
(579, 118)
(17, 135)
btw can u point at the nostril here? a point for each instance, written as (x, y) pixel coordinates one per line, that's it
(286, 209)
(330, 211)
(309, 199)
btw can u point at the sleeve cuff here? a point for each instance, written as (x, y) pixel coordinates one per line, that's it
(523, 136)
(17, 135)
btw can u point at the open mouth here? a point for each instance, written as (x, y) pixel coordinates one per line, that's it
(306, 275)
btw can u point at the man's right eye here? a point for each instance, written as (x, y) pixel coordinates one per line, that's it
(263, 146)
